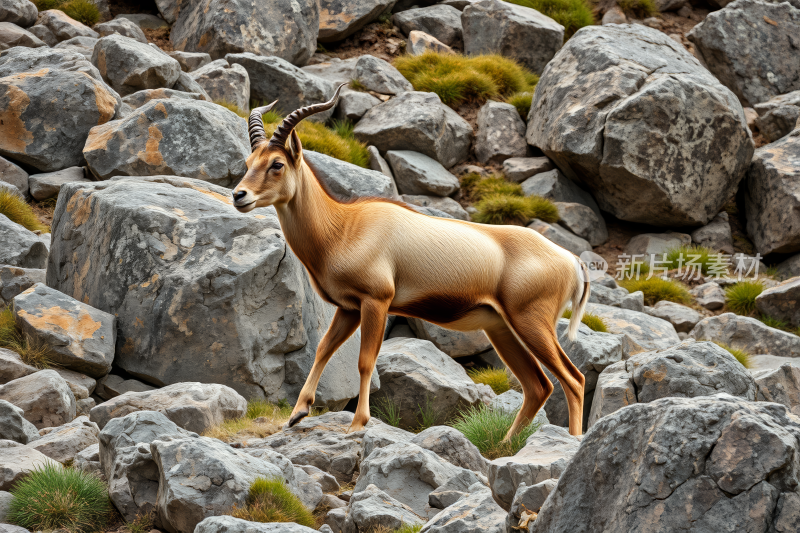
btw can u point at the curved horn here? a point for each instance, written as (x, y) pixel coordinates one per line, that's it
(285, 129)
(255, 125)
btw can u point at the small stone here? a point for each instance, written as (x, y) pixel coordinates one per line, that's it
(420, 42)
(709, 295)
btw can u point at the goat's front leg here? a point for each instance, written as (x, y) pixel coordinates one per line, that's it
(343, 325)
(373, 325)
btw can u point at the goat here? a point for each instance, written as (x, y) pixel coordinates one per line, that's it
(371, 257)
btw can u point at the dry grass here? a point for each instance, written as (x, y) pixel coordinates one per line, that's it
(261, 419)
(270, 500)
(593, 322)
(83, 11)
(511, 209)
(458, 79)
(17, 210)
(230, 106)
(658, 289)
(496, 378)
(32, 351)
(740, 355)
(522, 101)
(317, 137)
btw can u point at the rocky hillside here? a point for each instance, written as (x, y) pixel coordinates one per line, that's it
(153, 338)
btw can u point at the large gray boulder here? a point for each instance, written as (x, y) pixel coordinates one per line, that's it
(648, 331)
(127, 463)
(273, 78)
(233, 307)
(380, 76)
(453, 343)
(20, 12)
(48, 184)
(17, 461)
(407, 473)
(201, 477)
(413, 374)
(78, 337)
(681, 464)
(688, 370)
(373, 509)
(14, 426)
(545, 456)
(771, 199)
(354, 104)
(591, 352)
(121, 26)
(622, 80)
(21, 247)
(224, 82)
(476, 512)
(418, 122)
(44, 397)
(518, 32)
(193, 406)
(747, 39)
(747, 334)
(416, 173)
(339, 19)
(287, 30)
(321, 441)
(781, 301)
(129, 65)
(63, 26)
(49, 114)
(440, 21)
(63, 443)
(347, 181)
(382, 435)
(180, 137)
(19, 59)
(501, 133)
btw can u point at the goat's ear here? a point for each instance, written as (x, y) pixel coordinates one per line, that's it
(294, 147)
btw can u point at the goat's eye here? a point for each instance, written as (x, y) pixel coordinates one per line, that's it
(276, 166)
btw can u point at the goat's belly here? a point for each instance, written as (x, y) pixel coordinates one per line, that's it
(458, 312)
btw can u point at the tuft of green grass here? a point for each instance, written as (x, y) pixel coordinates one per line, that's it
(494, 185)
(230, 106)
(593, 322)
(572, 14)
(511, 209)
(740, 355)
(773, 322)
(315, 136)
(427, 416)
(270, 500)
(357, 85)
(17, 210)
(701, 256)
(657, 289)
(457, 79)
(409, 528)
(639, 8)
(52, 497)
(387, 410)
(486, 429)
(741, 297)
(522, 101)
(496, 378)
(83, 11)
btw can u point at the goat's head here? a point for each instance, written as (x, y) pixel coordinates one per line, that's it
(275, 166)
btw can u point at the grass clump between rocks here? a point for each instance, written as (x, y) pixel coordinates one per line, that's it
(502, 202)
(522, 101)
(639, 8)
(657, 289)
(593, 322)
(704, 258)
(84, 11)
(496, 378)
(270, 500)
(486, 428)
(572, 14)
(741, 297)
(17, 210)
(387, 410)
(457, 79)
(32, 352)
(60, 498)
(338, 143)
(261, 419)
(740, 355)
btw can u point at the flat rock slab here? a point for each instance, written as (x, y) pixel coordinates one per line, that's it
(748, 334)
(192, 406)
(79, 337)
(18, 460)
(621, 76)
(416, 173)
(648, 331)
(63, 443)
(47, 185)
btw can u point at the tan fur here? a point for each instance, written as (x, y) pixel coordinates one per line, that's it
(373, 257)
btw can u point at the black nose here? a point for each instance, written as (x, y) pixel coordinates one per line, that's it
(238, 195)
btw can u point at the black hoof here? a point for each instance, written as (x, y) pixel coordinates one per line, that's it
(297, 418)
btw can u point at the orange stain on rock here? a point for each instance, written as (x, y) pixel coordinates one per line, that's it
(215, 195)
(80, 206)
(14, 136)
(151, 155)
(99, 137)
(82, 326)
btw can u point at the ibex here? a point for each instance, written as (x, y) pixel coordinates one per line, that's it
(371, 257)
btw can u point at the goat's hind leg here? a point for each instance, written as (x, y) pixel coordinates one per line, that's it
(373, 325)
(343, 325)
(536, 388)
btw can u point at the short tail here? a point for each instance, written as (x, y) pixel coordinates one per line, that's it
(579, 298)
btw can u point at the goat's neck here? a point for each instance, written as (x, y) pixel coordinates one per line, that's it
(312, 222)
